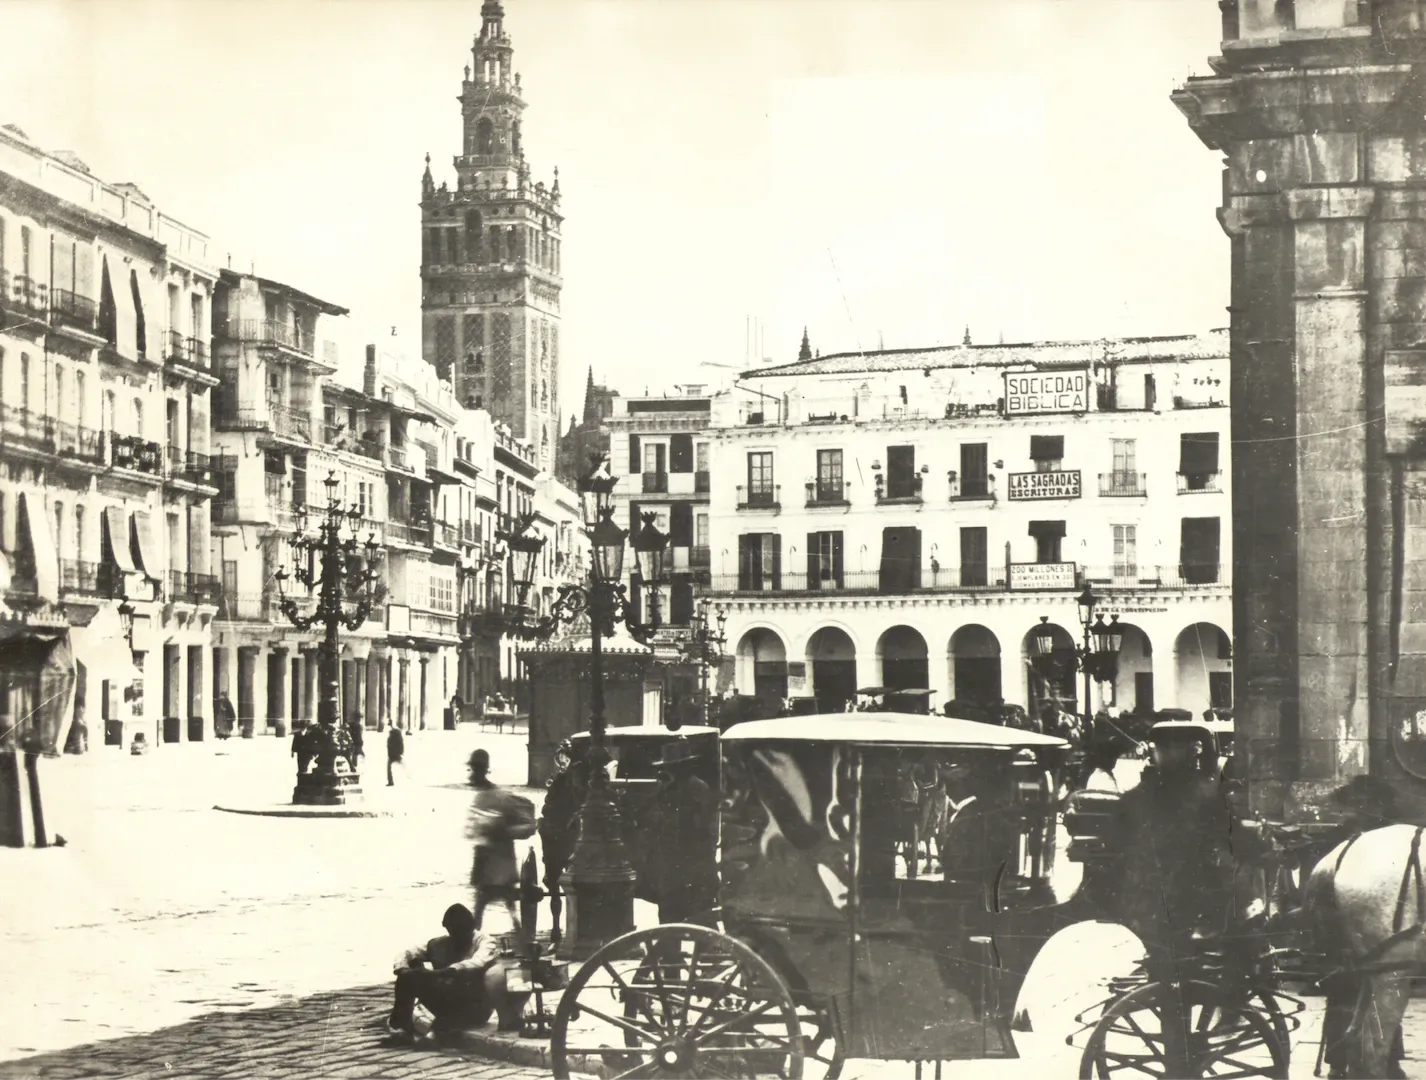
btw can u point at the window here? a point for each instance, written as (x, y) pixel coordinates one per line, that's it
(25, 251)
(1199, 550)
(1124, 459)
(700, 457)
(759, 562)
(24, 380)
(824, 560)
(1198, 460)
(901, 472)
(680, 453)
(1126, 566)
(110, 410)
(700, 531)
(442, 594)
(1047, 451)
(975, 470)
(760, 485)
(974, 557)
(1220, 689)
(78, 531)
(80, 412)
(59, 528)
(900, 560)
(1048, 538)
(139, 417)
(829, 476)
(655, 457)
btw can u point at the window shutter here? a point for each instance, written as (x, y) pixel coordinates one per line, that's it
(108, 310)
(84, 270)
(776, 561)
(746, 551)
(634, 510)
(681, 604)
(681, 525)
(140, 330)
(837, 558)
(680, 453)
(1198, 453)
(636, 462)
(1047, 447)
(814, 564)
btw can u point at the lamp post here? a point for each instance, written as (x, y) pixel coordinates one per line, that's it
(1097, 656)
(600, 878)
(330, 568)
(705, 646)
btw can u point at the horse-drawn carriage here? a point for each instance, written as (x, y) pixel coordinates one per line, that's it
(832, 939)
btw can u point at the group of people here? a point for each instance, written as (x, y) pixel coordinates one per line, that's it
(309, 743)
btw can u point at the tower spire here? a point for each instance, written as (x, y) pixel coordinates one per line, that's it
(966, 339)
(805, 353)
(428, 185)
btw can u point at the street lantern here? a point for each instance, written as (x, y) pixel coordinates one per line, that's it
(607, 541)
(596, 491)
(649, 548)
(1108, 637)
(1086, 602)
(525, 548)
(1043, 638)
(126, 620)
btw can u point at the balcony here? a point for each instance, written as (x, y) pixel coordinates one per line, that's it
(902, 494)
(188, 354)
(655, 483)
(759, 498)
(700, 556)
(971, 488)
(189, 587)
(368, 446)
(700, 482)
(941, 579)
(828, 493)
(244, 607)
(1133, 575)
(1121, 485)
(268, 333)
(71, 311)
(290, 423)
(24, 431)
(23, 295)
(197, 467)
(136, 455)
(434, 624)
(415, 533)
(1200, 483)
(398, 457)
(78, 577)
(445, 535)
(470, 532)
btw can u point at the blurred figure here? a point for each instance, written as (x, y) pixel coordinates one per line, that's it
(395, 751)
(497, 819)
(682, 839)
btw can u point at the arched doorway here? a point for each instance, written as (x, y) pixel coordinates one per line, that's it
(902, 656)
(975, 665)
(1052, 677)
(762, 668)
(832, 658)
(1203, 668)
(1134, 689)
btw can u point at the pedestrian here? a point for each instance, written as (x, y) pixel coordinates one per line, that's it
(559, 823)
(457, 977)
(302, 748)
(395, 750)
(497, 819)
(682, 838)
(354, 730)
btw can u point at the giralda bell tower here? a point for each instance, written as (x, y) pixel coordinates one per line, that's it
(490, 257)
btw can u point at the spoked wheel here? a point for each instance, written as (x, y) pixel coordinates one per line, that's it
(822, 1054)
(1184, 1032)
(678, 1001)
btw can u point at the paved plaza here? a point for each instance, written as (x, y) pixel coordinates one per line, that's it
(168, 938)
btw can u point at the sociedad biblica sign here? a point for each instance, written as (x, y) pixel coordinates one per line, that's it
(1046, 392)
(1054, 575)
(1059, 484)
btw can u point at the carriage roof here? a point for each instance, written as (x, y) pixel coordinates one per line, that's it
(890, 729)
(1216, 728)
(661, 734)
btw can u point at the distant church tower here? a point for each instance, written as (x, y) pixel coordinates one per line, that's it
(1319, 111)
(490, 258)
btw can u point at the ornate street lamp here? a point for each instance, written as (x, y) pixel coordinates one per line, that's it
(1097, 656)
(704, 646)
(600, 878)
(126, 620)
(331, 568)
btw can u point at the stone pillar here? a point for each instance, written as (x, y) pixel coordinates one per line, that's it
(423, 691)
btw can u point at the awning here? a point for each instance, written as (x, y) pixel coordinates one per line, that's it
(144, 554)
(1047, 528)
(1198, 453)
(44, 709)
(116, 533)
(37, 528)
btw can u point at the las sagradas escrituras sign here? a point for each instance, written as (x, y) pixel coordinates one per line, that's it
(1057, 484)
(1046, 392)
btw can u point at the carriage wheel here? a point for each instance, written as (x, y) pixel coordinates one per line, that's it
(677, 1001)
(822, 1054)
(1212, 1041)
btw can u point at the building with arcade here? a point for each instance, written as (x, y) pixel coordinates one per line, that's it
(907, 519)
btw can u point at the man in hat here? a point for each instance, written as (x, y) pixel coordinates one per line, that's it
(497, 819)
(682, 839)
(457, 976)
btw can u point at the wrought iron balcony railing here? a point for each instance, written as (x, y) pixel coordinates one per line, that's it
(759, 498)
(1122, 484)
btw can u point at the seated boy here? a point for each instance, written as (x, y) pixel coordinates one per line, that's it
(458, 977)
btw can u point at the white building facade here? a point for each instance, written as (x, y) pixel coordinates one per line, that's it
(906, 519)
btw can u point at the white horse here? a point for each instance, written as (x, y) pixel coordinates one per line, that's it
(1367, 901)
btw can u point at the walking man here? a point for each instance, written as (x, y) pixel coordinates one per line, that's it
(497, 819)
(395, 749)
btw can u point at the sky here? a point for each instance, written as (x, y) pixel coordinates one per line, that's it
(886, 173)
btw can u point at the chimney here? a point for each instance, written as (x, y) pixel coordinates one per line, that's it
(368, 377)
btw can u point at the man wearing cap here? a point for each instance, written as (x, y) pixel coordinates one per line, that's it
(682, 839)
(457, 977)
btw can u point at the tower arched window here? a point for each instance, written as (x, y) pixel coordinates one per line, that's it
(473, 237)
(485, 136)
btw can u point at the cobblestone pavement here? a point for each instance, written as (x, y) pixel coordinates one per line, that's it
(337, 1036)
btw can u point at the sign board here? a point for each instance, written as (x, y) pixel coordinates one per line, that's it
(1057, 484)
(1029, 392)
(1055, 575)
(398, 619)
